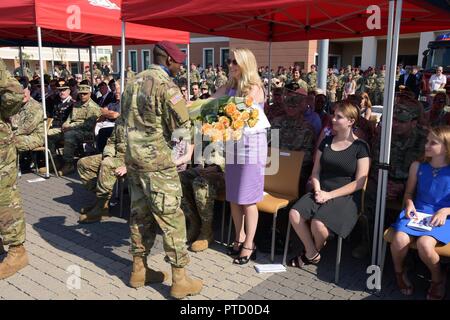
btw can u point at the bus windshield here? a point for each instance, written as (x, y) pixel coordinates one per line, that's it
(438, 57)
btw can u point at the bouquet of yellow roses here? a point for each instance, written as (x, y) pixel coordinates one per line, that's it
(224, 118)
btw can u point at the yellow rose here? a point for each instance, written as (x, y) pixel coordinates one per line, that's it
(236, 116)
(206, 128)
(238, 124)
(245, 115)
(248, 101)
(252, 122)
(254, 114)
(230, 108)
(219, 126)
(225, 121)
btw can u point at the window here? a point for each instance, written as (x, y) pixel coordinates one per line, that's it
(146, 59)
(224, 55)
(132, 60)
(119, 61)
(356, 61)
(208, 57)
(74, 68)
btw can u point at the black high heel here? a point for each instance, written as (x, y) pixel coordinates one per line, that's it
(233, 252)
(246, 259)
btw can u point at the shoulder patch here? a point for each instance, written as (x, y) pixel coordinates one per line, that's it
(176, 98)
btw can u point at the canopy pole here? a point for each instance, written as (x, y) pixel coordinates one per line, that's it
(122, 59)
(323, 63)
(91, 68)
(53, 63)
(21, 61)
(270, 73)
(79, 62)
(189, 68)
(41, 71)
(388, 111)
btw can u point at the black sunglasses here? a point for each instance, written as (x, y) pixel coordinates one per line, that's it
(234, 62)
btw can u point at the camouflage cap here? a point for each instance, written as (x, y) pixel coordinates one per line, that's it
(402, 112)
(84, 88)
(204, 86)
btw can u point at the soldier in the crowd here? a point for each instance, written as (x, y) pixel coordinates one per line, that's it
(99, 174)
(28, 124)
(407, 146)
(96, 71)
(204, 91)
(357, 78)
(195, 75)
(153, 179)
(181, 78)
(340, 84)
(12, 221)
(210, 75)
(379, 88)
(297, 80)
(371, 83)
(78, 128)
(276, 109)
(332, 82)
(195, 88)
(65, 74)
(221, 80)
(312, 78)
(129, 73)
(295, 133)
(201, 186)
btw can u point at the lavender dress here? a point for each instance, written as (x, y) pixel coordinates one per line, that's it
(246, 161)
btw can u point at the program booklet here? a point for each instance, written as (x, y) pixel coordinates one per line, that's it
(421, 222)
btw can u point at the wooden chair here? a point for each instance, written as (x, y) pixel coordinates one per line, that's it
(339, 240)
(42, 149)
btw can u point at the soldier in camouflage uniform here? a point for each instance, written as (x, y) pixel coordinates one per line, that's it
(332, 82)
(340, 84)
(99, 174)
(407, 146)
(379, 89)
(65, 74)
(181, 78)
(297, 80)
(78, 128)
(28, 124)
(371, 84)
(210, 78)
(312, 78)
(221, 80)
(12, 221)
(195, 75)
(152, 108)
(201, 186)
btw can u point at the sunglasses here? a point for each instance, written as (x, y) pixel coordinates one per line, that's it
(234, 62)
(183, 90)
(84, 93)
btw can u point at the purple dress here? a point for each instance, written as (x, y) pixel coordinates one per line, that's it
(245, 165)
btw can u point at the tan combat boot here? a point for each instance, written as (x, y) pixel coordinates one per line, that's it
(100, 209)
(205, 237)
(2, 249)
(182, 285)
(15, 260)
(142, 274)
(67, 169)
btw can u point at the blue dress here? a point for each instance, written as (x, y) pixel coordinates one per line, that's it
(432, 194)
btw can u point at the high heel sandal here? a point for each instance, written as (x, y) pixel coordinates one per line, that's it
(302, 260)
(246, 259)
(233, 252)
(405, 289)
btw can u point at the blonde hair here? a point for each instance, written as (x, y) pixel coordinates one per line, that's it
(249, 72)
(442, 134)
(367, 102)
(349, 110)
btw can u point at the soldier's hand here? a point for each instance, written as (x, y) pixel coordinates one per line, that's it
(121, 171)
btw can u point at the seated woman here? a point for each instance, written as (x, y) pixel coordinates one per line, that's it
(430, 182)
(340, 170)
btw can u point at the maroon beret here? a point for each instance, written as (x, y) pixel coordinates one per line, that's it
(172, 50)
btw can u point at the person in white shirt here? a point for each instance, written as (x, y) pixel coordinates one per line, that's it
(437, 80)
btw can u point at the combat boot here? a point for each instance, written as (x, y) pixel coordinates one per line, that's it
(2, 249)
(205, 237)
(101, 209)
(182, 285)
(142, 274)
(15, 260)
(67, 169)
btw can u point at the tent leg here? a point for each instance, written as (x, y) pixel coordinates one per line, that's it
(122, 59)
(53, 64)
(323, 63)
(79, 62)
(188, 67)
(91, 68)
(21, 61)
(41, 67)
(269, 91)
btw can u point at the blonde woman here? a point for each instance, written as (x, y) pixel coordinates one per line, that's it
(244, 170)
(366, 106)
(427, 190)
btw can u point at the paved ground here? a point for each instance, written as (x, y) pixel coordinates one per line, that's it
(58, 247)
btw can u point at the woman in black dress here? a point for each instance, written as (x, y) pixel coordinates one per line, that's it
(340, 170)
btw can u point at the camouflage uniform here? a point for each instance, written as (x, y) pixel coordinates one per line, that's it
(221, 80)
(181, 78)
(82, 122)
(332, 82)
(379, 90)
(195, 77)
(153, 107)
(371, 86)
(210, 79)
(12, 222)
(28, 126)
(340, 86)
(65, 74)
(97, 73)
(302, 84)
(97, 172)
(312, 80)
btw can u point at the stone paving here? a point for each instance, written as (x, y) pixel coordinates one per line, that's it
(59, 249)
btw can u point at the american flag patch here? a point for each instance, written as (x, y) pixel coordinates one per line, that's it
(175, 99)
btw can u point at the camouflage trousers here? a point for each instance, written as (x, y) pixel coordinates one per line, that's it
(26, 143)
(12, 220)
(331, 96)
(72, 139)
(377, 98)
(200, 189)
(98, 174)
(155, 200)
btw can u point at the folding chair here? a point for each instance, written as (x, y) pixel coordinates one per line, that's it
(42, 149)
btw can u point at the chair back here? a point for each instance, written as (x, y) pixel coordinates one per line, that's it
(49, 123)
(286, 181)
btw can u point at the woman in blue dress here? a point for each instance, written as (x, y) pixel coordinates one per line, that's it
(430, 182)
